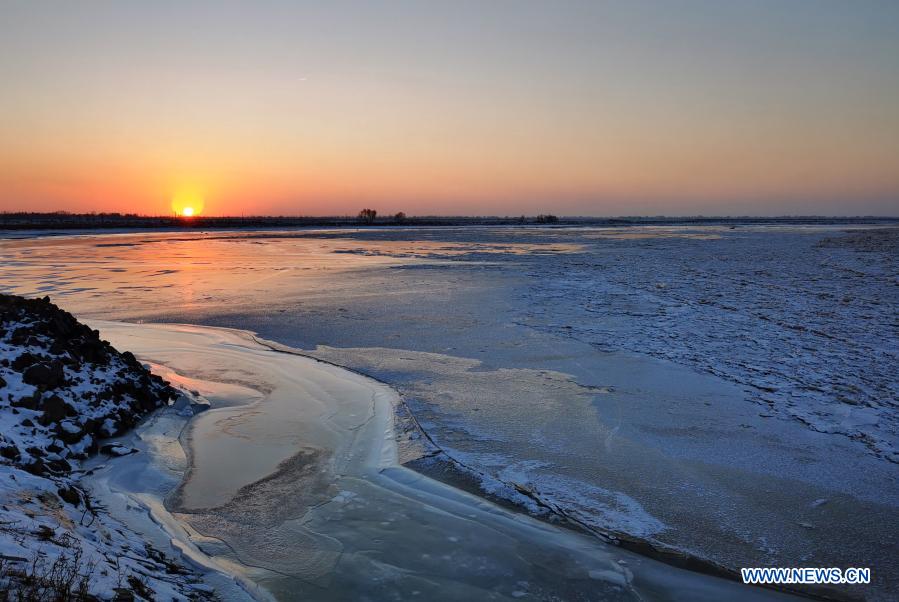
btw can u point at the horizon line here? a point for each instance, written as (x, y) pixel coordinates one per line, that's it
(393, 216)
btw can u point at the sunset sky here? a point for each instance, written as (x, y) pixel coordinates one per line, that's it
(489, 107)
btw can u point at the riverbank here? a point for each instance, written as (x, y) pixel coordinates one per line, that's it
(64, 392)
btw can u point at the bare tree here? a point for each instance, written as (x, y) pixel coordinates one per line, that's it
(368, 216)
(400, 217)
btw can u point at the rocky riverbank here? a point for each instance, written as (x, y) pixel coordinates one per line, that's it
(63, 393)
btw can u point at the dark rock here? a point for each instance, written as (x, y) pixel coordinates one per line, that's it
(55, 409)
(127, 419)
(24, 360)
(36, 468)
(59, 466)
(27, 422)
(67, 436)
(29, 402)
(38, 374)
(58, 347)
(91, 426)
(10, 452)
(70, 495)
(95, 352)
(50, 375)
(63, 325)
(45, 533)
(130, 360)
(117, 449)
(19, 336)
(2, 382)
(35, 451)
(123, 595)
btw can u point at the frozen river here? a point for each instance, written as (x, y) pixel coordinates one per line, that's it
(726, 394)
(292, 482)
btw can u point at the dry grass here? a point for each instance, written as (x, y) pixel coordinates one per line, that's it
(67, 578)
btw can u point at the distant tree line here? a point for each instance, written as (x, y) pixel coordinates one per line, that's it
(368, 216)
(62, 220)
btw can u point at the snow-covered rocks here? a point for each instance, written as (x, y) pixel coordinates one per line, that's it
(116, 449)
(62, 388)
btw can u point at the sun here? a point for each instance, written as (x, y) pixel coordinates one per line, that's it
(187, 203)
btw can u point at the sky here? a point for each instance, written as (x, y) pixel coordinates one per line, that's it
(490, 107)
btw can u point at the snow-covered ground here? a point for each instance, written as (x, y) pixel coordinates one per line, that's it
(43, 535)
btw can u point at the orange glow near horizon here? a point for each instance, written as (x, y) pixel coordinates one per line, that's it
(187, 203)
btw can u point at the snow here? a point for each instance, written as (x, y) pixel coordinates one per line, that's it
(120, 450)
(45, 518)
(29, 505)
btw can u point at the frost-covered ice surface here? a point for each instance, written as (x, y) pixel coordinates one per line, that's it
(294, 478)
(808, 328)
(702, 389)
